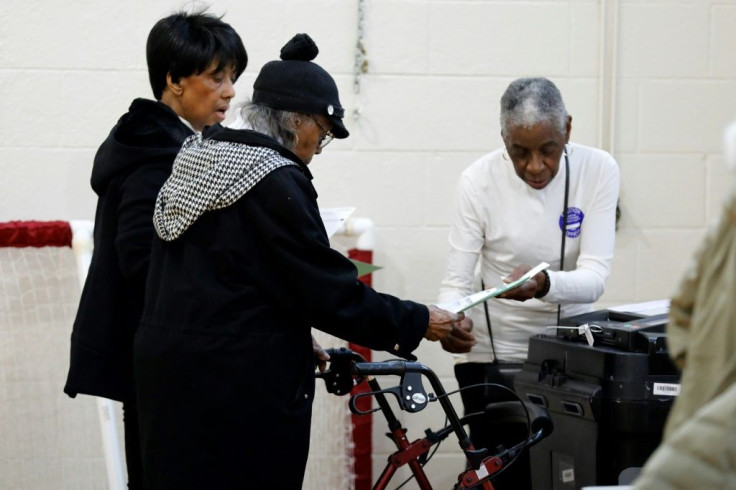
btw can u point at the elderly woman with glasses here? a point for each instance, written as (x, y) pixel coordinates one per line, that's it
(240, 272)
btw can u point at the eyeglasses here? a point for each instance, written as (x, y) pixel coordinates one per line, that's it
(324, 140)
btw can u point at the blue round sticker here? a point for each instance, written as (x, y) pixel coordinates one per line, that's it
(575, 218)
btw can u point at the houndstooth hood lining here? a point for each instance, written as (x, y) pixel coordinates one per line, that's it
(209, 174)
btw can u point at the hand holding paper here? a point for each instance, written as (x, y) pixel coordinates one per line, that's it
(528, 288)
(474, 299)
(461, 338)
(440, 323)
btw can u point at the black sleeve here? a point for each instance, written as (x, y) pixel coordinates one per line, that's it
(135, 231)
(320, 282)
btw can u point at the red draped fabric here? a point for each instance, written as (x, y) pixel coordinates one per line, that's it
(35, 234)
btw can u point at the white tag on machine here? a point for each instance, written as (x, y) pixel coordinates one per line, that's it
(584, 329)
(666, 389)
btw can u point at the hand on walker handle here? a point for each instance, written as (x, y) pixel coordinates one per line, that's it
(320, 356)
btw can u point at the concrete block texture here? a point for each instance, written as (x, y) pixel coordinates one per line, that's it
(664, 39)
(426, 106)
(481, 38)
(396, 175)
(704, 108)
(428, 112)
(723, 20)
(664, 190)
(45, 183)
(666, 251)
(397, 37)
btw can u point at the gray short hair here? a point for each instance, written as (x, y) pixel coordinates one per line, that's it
(271, 122)
(529, 101)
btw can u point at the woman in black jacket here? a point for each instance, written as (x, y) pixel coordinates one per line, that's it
(193, 61)
(240, 273)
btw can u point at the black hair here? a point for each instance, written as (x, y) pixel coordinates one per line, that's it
(185, 44)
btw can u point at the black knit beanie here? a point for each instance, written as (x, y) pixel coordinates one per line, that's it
(296, 84)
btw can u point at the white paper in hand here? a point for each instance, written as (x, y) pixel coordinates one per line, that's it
(474, 299)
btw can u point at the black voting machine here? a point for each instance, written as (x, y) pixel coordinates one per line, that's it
(608, 401)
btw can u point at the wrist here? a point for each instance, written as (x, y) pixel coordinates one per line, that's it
(542, 285)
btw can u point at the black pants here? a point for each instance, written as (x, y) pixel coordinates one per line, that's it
(483, 432)
(133, 460)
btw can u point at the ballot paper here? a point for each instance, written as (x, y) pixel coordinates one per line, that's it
(334, 218)
(467, 302)
(646, 308)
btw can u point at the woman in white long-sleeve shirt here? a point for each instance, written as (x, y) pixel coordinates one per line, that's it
(509, 218)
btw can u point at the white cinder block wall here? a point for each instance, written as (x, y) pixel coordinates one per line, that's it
(652, 81)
